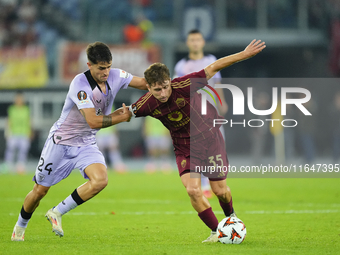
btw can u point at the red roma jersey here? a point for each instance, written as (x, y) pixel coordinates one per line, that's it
(181, 114)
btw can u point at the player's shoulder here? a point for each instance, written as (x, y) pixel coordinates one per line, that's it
(187, 77)
(210, 57)
(119, 73)
(144, 105)
(80, 81)
(119, 76)
(179, 65)
(182, 61)
(146, 99)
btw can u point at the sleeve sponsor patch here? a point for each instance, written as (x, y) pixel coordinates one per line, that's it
(86, 101)
(82, 95)
(123, 74)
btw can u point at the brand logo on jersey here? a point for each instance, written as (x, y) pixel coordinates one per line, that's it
(175, 116)
(183, 163)
(98, 101)
(180, 102)
(82, 95)
(99, 112)
(156, 112)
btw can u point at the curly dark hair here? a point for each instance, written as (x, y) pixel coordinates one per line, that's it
(98, 52)
(157, 72)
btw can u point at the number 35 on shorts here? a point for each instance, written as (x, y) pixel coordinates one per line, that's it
(216, 161)
(48, 166)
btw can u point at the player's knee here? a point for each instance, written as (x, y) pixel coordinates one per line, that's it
(40, 191)
(99, 184)
(194, 191)
(223, 193)
(220, 193)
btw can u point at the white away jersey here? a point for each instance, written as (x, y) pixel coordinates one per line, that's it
(71, 128)
(187, 65)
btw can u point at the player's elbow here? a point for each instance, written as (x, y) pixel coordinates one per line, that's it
(94, 124)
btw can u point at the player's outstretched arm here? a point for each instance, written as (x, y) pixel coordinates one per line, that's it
(138, 83)
(120, 115)
(255, 47)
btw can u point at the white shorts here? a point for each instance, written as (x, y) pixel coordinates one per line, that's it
(107, 141)
(158, 142)
(57, 161)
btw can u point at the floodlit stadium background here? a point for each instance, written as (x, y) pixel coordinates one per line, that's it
(42, 48)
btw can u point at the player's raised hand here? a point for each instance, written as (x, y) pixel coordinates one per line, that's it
(255, 47)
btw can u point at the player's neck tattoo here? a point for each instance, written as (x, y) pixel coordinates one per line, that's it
(107, 121)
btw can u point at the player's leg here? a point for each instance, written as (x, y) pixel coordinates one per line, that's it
(50, 157)
(151, 144)
(92, 165)
(31, 202)
(222, 191)
(165, 144)
(22, 154)
(115, 155)
(206, 186)
(217, 178)
(192, 183)
(9, 153)
(97, 181)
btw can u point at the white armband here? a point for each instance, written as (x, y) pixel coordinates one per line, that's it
(132, 110)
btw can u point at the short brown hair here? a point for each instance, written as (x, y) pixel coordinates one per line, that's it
(98, 52)
(157, 72)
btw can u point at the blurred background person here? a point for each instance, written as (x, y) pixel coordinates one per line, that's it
(18, 134)
(335, 126)
(307, 129)
(258, 135)
(290, 134)
(158, 145)
(194, 62)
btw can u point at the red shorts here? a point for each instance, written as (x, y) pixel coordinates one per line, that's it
(208, 157)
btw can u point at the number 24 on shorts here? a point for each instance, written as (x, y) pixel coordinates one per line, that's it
(47, 167)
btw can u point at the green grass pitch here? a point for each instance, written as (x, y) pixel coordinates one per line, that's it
(140, 213)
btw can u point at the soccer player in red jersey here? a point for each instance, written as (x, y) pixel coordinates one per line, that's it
(197, 142)
(196, 61)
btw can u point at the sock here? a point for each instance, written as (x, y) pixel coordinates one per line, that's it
(71, 202)
(24, 218)
(227, 207)
(209, 218)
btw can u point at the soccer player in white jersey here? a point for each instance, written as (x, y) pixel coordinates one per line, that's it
(71, 142)
(194, 62)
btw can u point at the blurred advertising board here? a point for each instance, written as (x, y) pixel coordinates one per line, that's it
(23, 67)
(134, 59)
